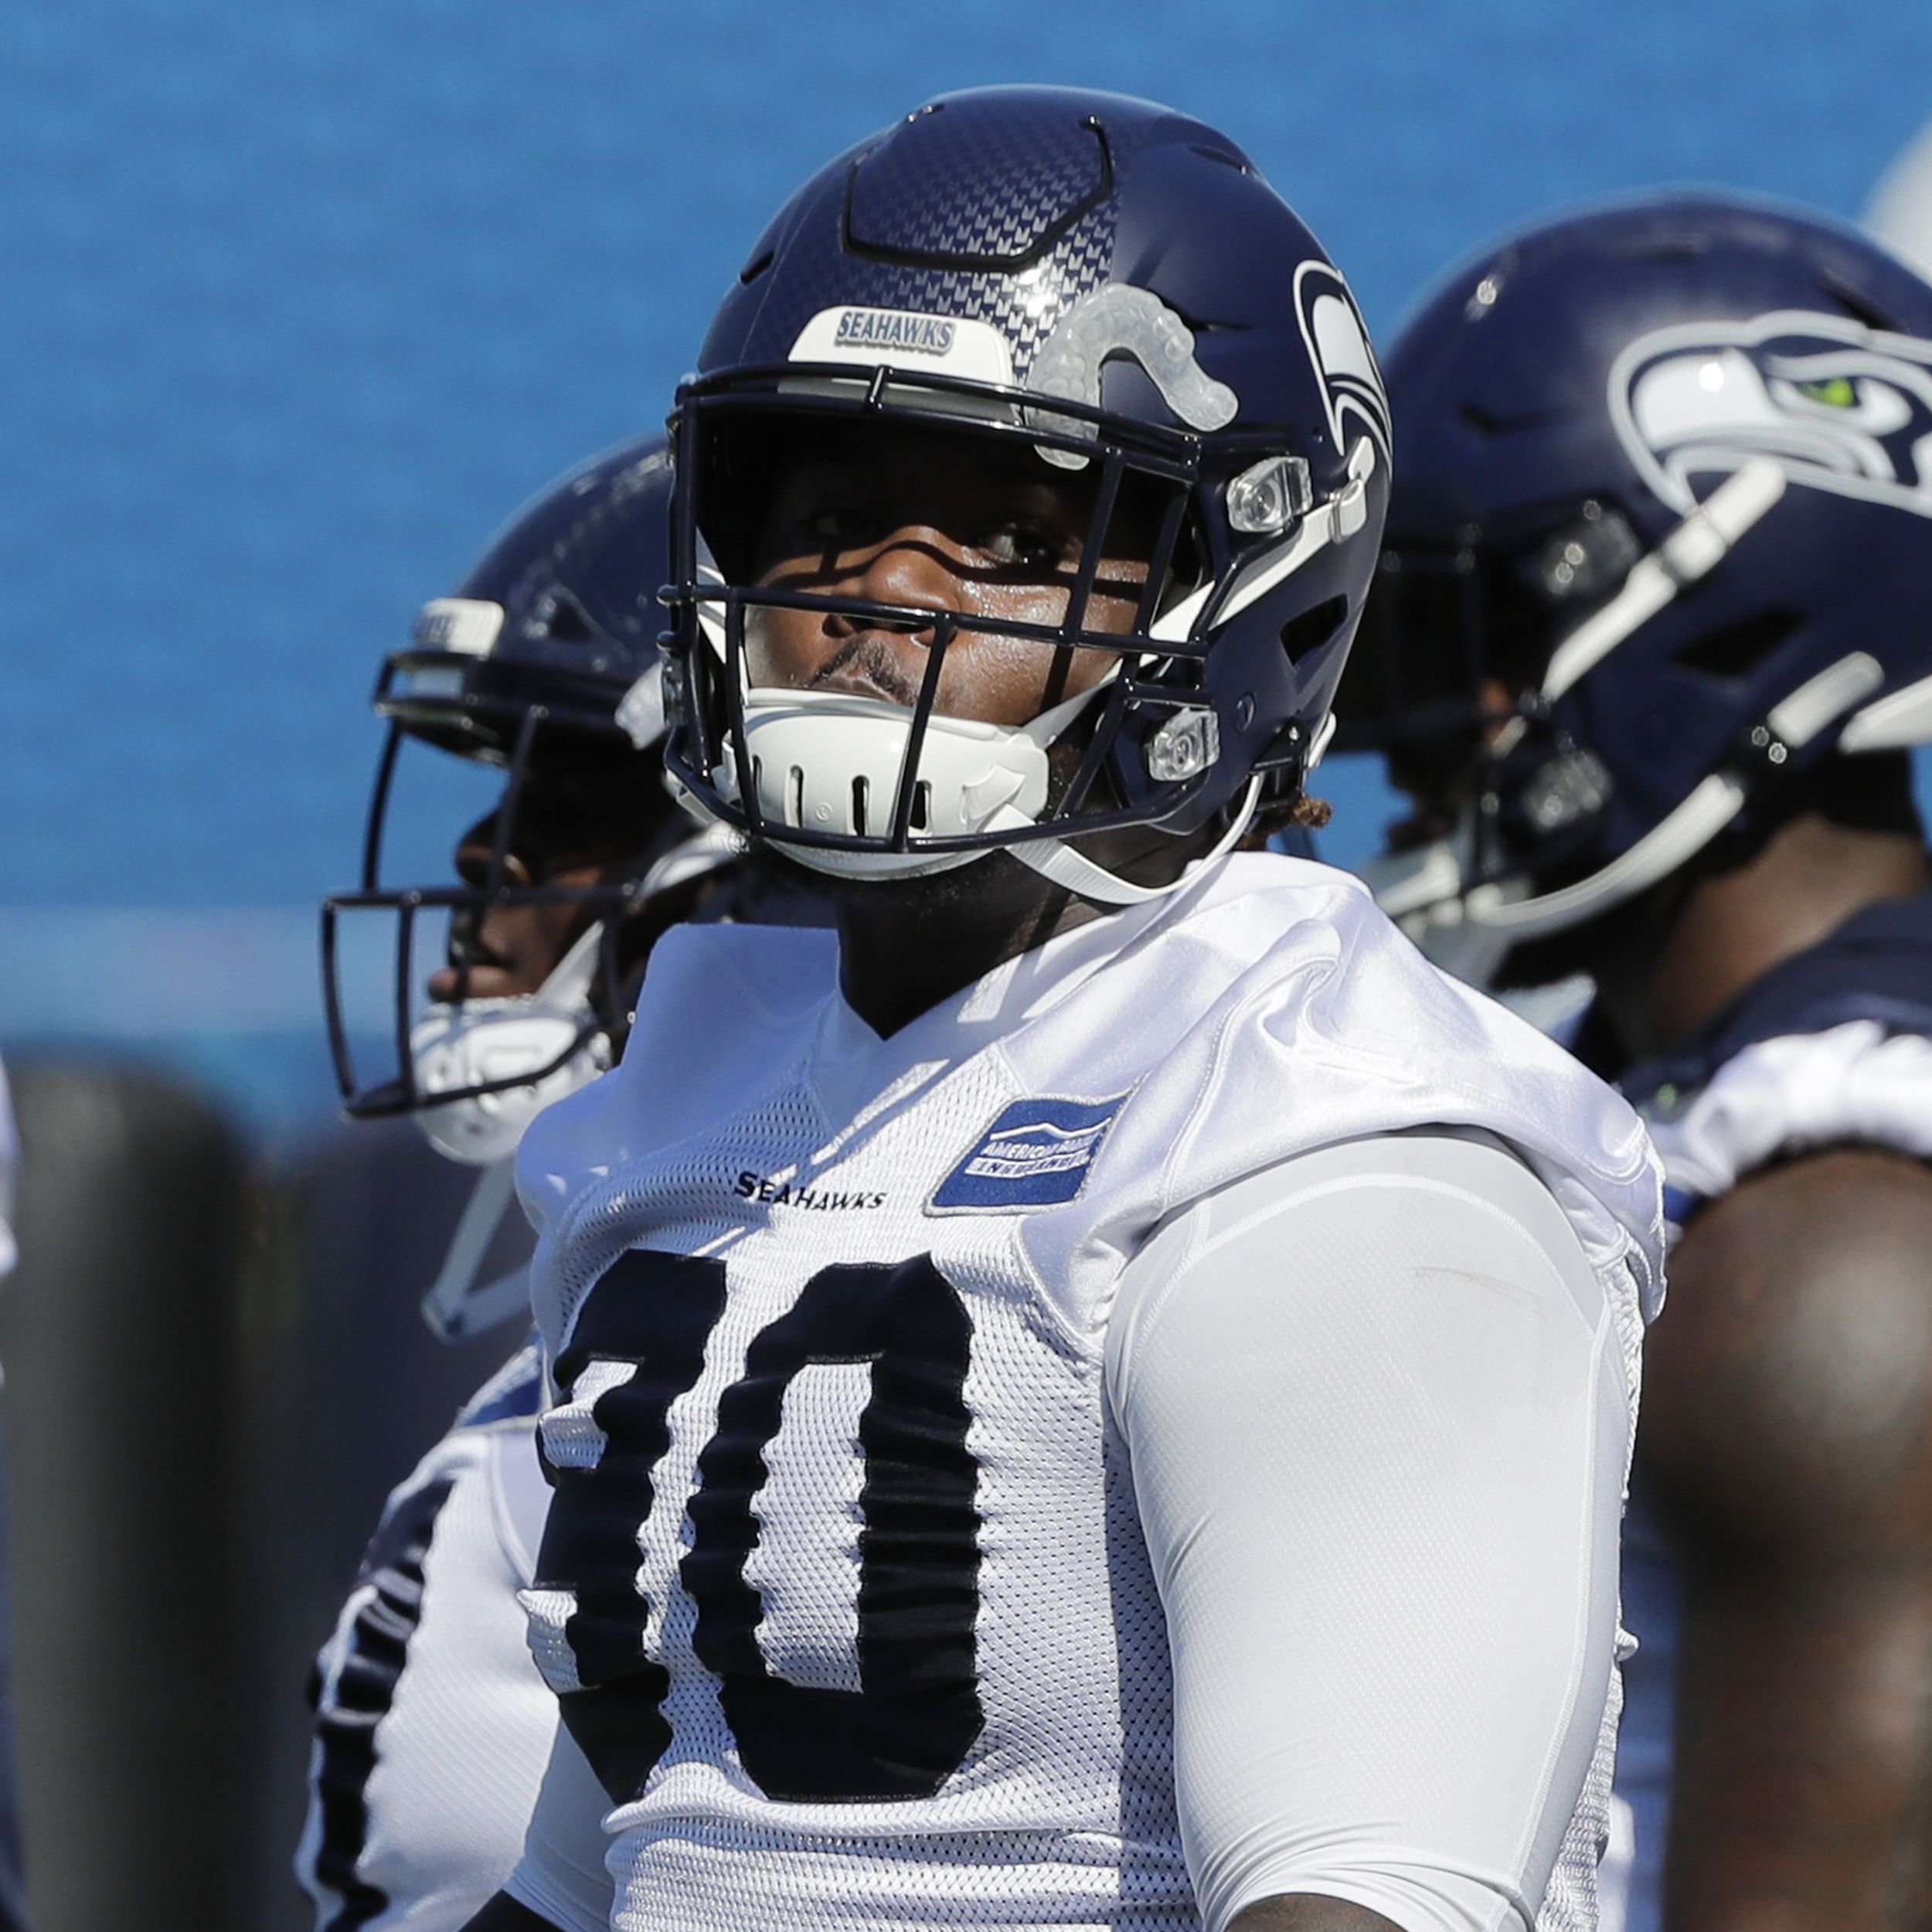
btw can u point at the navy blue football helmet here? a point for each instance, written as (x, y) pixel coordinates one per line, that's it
(545, 664)
(1662, 543)
(1106, 289)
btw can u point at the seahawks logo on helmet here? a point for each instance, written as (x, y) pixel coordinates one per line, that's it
(1839, 406)
(1338, 341)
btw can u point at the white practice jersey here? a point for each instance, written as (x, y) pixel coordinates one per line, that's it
(844, 1592)
(432, 1726)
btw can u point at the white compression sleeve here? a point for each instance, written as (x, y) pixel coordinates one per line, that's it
(1377, 1419)
(562, 1877)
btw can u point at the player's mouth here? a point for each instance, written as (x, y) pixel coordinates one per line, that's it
(485, 979)
(865, 665)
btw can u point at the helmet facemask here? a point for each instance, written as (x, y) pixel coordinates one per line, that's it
(573, 842)
(869, 786)
(890, 784)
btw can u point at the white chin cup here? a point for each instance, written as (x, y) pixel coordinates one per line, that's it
(477, 1041)
(830, 761)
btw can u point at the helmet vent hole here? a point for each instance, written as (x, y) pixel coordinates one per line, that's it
(922, 806)
(861, 793)
(795, 796)
(1304, 635)
(1738, 649)
(756, 265)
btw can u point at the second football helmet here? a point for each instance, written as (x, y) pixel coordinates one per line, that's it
(1661, 542)
(543, 663)
(1107, 290)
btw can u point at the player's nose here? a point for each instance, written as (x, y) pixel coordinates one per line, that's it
(916, 565)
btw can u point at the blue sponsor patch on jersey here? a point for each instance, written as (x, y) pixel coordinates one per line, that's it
(1036, 1155)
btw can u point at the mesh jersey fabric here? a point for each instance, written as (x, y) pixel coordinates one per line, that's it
(433, 1727)
(769, 1229)
(1834, 1047)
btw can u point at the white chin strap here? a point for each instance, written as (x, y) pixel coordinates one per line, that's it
(1054, 859)
(475, 1041)
(1692, 550)
(1469, 931)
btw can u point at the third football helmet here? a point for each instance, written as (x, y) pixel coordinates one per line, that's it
(1661, 542)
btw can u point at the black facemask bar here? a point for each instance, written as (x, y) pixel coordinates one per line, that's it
(608, 906)
(1157, 677)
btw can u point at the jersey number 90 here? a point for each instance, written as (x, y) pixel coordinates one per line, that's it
(642, 1334)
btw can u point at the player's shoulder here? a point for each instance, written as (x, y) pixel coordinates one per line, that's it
(1325, 986)
(1318, 1022)
(1785, 1393)
(1268, 919)
(1833, 1045)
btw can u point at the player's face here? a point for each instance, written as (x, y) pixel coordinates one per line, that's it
(568, 834)
(900, 519)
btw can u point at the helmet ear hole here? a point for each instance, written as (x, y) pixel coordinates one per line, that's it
(1736, 650)
(1303, 635)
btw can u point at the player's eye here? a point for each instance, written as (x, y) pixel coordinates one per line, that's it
(842, 526)
(1019, 544)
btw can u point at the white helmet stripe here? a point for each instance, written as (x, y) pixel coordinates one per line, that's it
(1691, 550)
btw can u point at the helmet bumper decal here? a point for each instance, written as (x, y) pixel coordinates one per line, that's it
(1838, 406)
(960, 345)
(468, 627)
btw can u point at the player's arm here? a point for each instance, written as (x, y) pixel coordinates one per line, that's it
(1377, 1417)
(1308, 1912)
(504, 1914)
(560, 1884)
(1787, 1436)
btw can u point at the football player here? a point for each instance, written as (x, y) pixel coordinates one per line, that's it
(1099, 1394)
(432, 1725)
(1655, 627)
(13, 1910)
